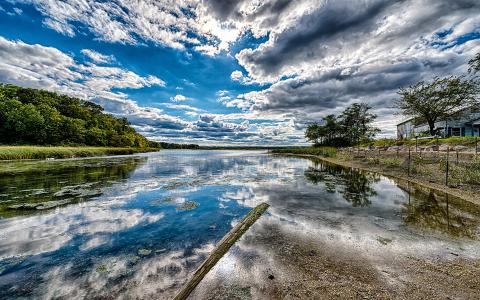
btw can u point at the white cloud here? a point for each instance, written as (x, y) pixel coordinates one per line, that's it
(179, 98)
(236, 75)
(97, 56)
(317, 56)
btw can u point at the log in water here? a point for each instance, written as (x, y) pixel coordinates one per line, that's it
(221, 249)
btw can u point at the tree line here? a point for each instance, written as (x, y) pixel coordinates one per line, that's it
(39, 117)
(351, 127)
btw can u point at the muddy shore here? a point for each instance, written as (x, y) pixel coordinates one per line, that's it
(291, 265)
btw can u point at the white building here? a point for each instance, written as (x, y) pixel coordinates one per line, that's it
(465, 122)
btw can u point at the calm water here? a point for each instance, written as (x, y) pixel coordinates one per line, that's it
(138, 226)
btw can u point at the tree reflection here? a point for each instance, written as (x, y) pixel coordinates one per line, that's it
(47, 185)
(354, 185)
(429, 210)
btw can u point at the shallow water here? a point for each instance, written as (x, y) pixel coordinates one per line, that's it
(138, 226)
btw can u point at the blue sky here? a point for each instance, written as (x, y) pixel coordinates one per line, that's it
(234, 72)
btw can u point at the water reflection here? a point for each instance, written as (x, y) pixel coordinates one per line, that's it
(152, 219)
(428, 210)
(29, 187)
(356, 186)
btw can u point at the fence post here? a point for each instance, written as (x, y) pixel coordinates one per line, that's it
(456, 162)
(446, 172)
(409, 157)
(476, 145)
(416, 144)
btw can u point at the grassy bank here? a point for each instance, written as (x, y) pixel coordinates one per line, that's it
(426, 169)
(43, 152)
(318, 151)
(452, 141)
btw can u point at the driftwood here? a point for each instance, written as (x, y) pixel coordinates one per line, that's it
(221, 249)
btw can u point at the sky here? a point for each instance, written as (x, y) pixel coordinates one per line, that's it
(235, 72)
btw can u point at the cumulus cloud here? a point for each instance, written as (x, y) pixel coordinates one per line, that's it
(315, 56)
(236, 75)
(178, 98)
(342, 52)
(48, 68)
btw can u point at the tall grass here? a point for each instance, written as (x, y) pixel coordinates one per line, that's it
(319, 151)
(42, 152)
(453, 141)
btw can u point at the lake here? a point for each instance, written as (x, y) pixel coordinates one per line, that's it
(138, 227)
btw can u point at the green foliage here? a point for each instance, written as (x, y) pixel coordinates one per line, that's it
(178, 146)
(392, 162)
(353, 126)
(469, 173)
(433, 101)
(31, 116)
(319, 151)
(452, 141)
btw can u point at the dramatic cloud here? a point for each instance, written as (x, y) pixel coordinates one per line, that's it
(296, 61)
(342, 52)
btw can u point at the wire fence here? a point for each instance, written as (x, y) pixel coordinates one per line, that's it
(450, 167)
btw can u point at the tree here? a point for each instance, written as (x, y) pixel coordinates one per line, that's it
(311, 133)
(34, 116)
(356, 121)
(351, 127)
(432, 101)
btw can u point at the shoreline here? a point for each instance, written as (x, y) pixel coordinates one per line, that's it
(11, 153)
(462, 194)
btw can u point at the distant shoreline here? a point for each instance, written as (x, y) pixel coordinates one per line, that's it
(8, 153)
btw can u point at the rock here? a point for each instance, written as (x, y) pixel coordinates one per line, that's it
(460, 148)
(428, 149)
(383, 241)
(144, 252)
(101, 269)
(394, 148)
(188, 205)
(444, 147)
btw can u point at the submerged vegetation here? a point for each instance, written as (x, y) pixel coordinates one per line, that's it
(28, 187)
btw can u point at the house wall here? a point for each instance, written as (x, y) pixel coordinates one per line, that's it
(407, 130)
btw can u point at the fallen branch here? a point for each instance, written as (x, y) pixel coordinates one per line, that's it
(221, 249)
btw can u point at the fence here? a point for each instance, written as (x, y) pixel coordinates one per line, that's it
(452, 168)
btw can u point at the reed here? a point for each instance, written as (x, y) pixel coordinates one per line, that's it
(45, 152)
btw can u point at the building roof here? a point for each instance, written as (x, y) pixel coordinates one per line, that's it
(456, 112)
(406, 121)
